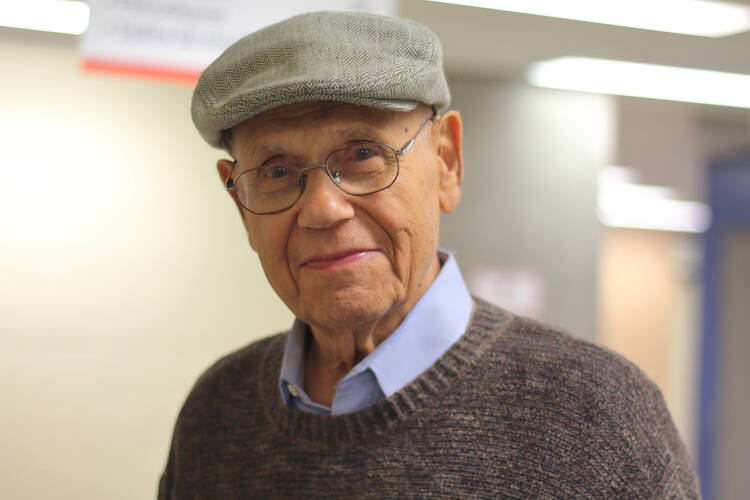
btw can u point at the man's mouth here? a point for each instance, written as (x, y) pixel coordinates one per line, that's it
(337, 259)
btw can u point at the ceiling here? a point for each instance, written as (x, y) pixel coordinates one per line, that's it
(499, 45)
(493, 44)
(496, 45)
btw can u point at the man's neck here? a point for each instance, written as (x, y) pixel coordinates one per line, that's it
(331, 354)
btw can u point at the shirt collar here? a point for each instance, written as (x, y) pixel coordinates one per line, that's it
(428, 330)
(291, 378)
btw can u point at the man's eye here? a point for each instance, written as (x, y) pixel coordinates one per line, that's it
(364, 153)
(276, 171)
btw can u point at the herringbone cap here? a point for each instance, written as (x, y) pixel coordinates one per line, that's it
(364, 59)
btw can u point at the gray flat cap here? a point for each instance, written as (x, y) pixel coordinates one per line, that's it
(364, 59)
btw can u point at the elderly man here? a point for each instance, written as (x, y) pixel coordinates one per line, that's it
(393, 381)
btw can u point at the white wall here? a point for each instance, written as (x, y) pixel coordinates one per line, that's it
(673, 143)
(529, 199)
(125, 273)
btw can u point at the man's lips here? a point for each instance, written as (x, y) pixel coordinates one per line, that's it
(338, 258)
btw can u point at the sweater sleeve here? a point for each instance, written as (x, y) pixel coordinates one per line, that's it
(660, 466)
(166, 480)
(679, 479)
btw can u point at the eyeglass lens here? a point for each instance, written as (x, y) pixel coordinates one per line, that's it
(358, 169)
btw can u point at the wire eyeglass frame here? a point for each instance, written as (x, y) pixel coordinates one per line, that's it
(231, 182)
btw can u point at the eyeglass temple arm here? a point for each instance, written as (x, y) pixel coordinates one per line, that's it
(229, 183)
(406, 147)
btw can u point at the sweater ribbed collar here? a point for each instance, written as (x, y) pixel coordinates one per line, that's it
(487, 324)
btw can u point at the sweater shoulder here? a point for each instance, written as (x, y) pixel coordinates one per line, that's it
(599, 394)
(221, 409)
(563, 355)
(238, 370)
(594, 376)
(529, 353)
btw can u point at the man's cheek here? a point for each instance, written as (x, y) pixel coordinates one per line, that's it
(251, 232)
(251, 240)
(259, 238)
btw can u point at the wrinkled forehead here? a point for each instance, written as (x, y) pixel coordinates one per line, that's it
(332, 124)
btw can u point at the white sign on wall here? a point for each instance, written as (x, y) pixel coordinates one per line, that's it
(179, 38)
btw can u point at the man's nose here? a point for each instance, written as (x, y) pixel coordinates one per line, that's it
(322, 204)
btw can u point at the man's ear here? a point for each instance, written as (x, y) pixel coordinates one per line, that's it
(452, 164)
(225, 170)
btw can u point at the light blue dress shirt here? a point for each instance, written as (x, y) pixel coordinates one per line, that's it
(437, 320)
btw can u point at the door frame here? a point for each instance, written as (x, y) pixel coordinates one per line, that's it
(729, 198)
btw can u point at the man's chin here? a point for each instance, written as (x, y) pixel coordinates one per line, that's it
(350, 309)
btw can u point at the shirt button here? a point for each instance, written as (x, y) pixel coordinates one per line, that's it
(292, 390)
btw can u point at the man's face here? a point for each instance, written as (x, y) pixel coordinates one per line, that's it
(344, 261)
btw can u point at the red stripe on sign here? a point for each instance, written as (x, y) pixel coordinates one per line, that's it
(183, 76)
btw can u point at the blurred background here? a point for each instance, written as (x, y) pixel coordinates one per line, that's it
(607, 191)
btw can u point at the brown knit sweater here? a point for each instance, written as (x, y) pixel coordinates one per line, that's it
(514, 409)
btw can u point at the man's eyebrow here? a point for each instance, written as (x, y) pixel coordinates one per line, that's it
(261, 149)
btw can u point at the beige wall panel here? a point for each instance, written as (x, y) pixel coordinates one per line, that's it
(648, 312)
(125, 272)
(637, 295)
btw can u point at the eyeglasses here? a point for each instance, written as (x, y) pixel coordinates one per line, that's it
(358, 168)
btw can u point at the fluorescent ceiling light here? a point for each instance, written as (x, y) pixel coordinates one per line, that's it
(626, 204)
(603, 76)
(657, 214)
(688, 17)
(58, 16)
(630, 192)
